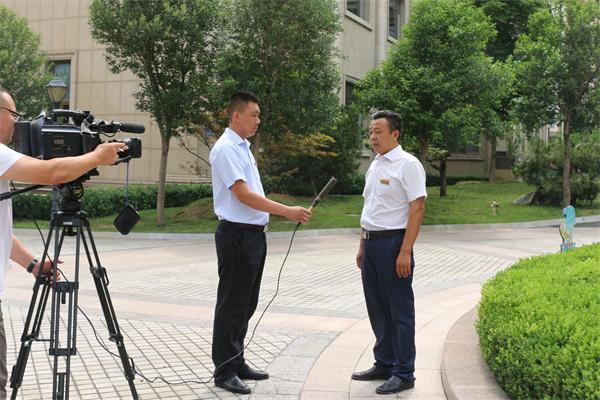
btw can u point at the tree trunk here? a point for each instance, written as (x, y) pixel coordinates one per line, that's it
(256, 145)
(492, 170)
(423, 146)
(162, 178)
(567, 163)
(443, 177)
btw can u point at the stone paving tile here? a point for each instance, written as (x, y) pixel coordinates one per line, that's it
(157, 348)
(320, 297)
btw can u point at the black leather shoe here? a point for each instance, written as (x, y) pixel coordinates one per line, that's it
(233, 385)
(372, 374)
(394, 385)
(248, 373)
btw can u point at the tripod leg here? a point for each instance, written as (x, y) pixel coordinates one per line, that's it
(65, 293)
(37, 306)
(101, 282)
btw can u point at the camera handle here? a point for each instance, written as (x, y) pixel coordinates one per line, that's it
(8, 195)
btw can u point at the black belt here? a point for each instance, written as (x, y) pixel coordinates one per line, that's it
(368, 235)
(258, 228)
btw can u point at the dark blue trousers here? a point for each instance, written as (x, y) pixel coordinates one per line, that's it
(391, 306)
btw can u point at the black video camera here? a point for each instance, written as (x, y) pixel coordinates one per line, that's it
(46, 138)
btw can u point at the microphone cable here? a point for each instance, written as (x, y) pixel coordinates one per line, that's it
(136, 371)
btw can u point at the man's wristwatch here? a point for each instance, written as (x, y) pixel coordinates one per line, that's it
(31, 265)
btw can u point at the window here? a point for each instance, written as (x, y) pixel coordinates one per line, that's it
(396, 18)
(466, 149)
(359, 8)
(349, 96)
(62, 70)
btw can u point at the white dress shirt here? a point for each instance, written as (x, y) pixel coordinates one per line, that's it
(231, 160)
(393, 180)
(7, 158)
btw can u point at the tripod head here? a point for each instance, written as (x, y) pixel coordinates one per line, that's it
(68, 196)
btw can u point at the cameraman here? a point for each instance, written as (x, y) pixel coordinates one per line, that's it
(16, 166)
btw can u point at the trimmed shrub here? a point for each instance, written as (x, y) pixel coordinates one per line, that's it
(434, 180)
(539, 325)
(99, 201)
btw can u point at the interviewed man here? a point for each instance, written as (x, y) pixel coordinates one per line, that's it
(394, 207)
(16, 166)
(243, 211)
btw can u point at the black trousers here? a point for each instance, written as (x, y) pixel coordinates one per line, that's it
(241, 256)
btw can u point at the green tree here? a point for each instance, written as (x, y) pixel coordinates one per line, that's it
(22, 64)
(558, 71)
(510, 19)
(439, 78)
(171, 46)
(284, 51)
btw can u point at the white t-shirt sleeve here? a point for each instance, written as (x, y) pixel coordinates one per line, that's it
(229, 166)
(7, 158)
(413, 180)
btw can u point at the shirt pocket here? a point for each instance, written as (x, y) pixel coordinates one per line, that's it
(384, 186)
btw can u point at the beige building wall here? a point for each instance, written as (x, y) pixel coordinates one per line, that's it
(65, 34)
(364, 43)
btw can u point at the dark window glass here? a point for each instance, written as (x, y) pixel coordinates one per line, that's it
(349, 95)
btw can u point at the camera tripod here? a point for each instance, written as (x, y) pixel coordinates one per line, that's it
(67, 220)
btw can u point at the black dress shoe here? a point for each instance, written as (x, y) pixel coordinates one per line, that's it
(394, 385)
(252, 374)
(233, 385)
(372, 374)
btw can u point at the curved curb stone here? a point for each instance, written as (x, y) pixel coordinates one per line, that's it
(465, 374)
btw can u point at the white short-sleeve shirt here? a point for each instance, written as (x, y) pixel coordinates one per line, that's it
(231, 160)
(393, 180)
(7, 158)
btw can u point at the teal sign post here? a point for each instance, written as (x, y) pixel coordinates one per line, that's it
(566, 229)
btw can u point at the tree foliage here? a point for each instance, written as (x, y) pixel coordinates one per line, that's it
(558, 71)
(510, 18)
(171, 46)
(284, 51)
(542, 166)
(22, 64)
(439, 78)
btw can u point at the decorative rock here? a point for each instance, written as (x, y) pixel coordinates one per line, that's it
(526, 199)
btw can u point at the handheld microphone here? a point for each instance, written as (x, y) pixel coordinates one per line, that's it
(323, 193)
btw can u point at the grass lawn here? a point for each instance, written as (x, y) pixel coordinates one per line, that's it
(466, 203)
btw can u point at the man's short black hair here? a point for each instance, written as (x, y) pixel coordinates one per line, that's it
(394, 120)
(239, 100)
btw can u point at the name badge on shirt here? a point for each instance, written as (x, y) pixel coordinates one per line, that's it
(384, 181)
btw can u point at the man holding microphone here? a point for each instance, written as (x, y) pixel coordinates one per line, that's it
(243, 211)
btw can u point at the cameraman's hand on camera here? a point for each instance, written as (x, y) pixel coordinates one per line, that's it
(46, 269)
(109, 152)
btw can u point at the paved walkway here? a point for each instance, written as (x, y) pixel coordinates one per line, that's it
(311, 339)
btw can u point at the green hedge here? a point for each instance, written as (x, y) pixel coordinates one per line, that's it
(539, 326)
(434, 180)
(99, 201)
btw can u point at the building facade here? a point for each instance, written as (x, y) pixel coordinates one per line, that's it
(370, 28)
